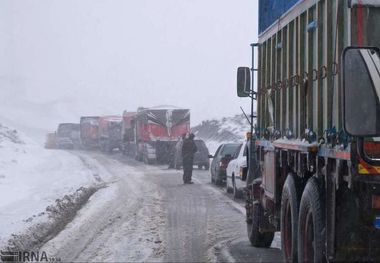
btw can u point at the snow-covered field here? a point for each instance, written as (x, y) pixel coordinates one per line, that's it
(35, 182)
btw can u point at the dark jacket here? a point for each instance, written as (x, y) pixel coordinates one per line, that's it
(188, 150)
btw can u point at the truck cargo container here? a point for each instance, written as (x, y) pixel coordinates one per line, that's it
(314, 159)
(128, 134)
(109, 133)
(150, 134)
(89, 131)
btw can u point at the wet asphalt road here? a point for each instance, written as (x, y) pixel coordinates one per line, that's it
(150, 215)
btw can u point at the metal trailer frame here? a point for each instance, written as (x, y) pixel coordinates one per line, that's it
(89, 142)
(303, 46)
(108, 142)
(299, 82)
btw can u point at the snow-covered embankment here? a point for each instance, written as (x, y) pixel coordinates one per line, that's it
(40, 190)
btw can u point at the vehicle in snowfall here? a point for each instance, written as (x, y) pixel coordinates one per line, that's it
(201, 157)
(109, 133)
(128, 134)
(67, 135)
(314, 166)
(89, 131)
(223, 155)
(236, 173)
(50, 142)
(150, 134)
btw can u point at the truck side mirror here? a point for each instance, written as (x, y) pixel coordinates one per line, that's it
(361, 91)
(243, 82)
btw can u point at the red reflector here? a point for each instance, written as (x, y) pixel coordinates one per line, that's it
(372, 148)
(376, 202)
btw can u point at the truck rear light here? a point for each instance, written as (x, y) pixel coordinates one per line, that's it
(376, 202)
(372, 148)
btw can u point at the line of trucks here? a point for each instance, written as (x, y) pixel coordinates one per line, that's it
(314, 154)
(148, 134)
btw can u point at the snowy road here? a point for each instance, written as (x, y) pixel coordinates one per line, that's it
(147, 214)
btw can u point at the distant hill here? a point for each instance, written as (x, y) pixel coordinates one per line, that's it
(217, 131)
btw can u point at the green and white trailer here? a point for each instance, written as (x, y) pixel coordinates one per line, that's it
(314, 159)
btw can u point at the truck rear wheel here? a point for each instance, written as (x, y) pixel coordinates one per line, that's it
(257, 238)
(289, 220)
(311, 226)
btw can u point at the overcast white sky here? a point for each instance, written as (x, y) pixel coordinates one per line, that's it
(122, 54)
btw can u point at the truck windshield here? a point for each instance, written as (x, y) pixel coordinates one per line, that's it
(65, 130)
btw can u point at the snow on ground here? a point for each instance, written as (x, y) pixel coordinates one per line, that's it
(32, 179)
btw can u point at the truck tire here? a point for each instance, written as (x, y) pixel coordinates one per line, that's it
(257, 238)
(289, 220)
(311, 224)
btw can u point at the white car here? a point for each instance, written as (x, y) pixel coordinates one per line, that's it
(236, 169)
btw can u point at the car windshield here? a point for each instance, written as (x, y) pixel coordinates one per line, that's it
(230, 149)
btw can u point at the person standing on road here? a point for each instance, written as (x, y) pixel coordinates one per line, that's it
(188, 150)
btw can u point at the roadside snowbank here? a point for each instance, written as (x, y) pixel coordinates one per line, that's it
(37, 184)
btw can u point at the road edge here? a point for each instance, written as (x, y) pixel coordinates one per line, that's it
(53, 220)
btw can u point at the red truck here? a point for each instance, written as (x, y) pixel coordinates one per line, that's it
(109, 133)
(89, 131)
(150, 134)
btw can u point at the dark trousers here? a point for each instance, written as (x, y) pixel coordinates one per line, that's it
(187, 169)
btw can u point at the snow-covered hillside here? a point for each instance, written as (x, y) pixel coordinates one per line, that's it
(35, 183)
(217, 131)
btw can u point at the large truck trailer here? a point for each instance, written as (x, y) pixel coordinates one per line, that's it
(314, 158)
(89, 131)
(150, 134)
(109, 133)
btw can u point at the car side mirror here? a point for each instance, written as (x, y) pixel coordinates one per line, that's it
(361, 91)
(243, 82)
